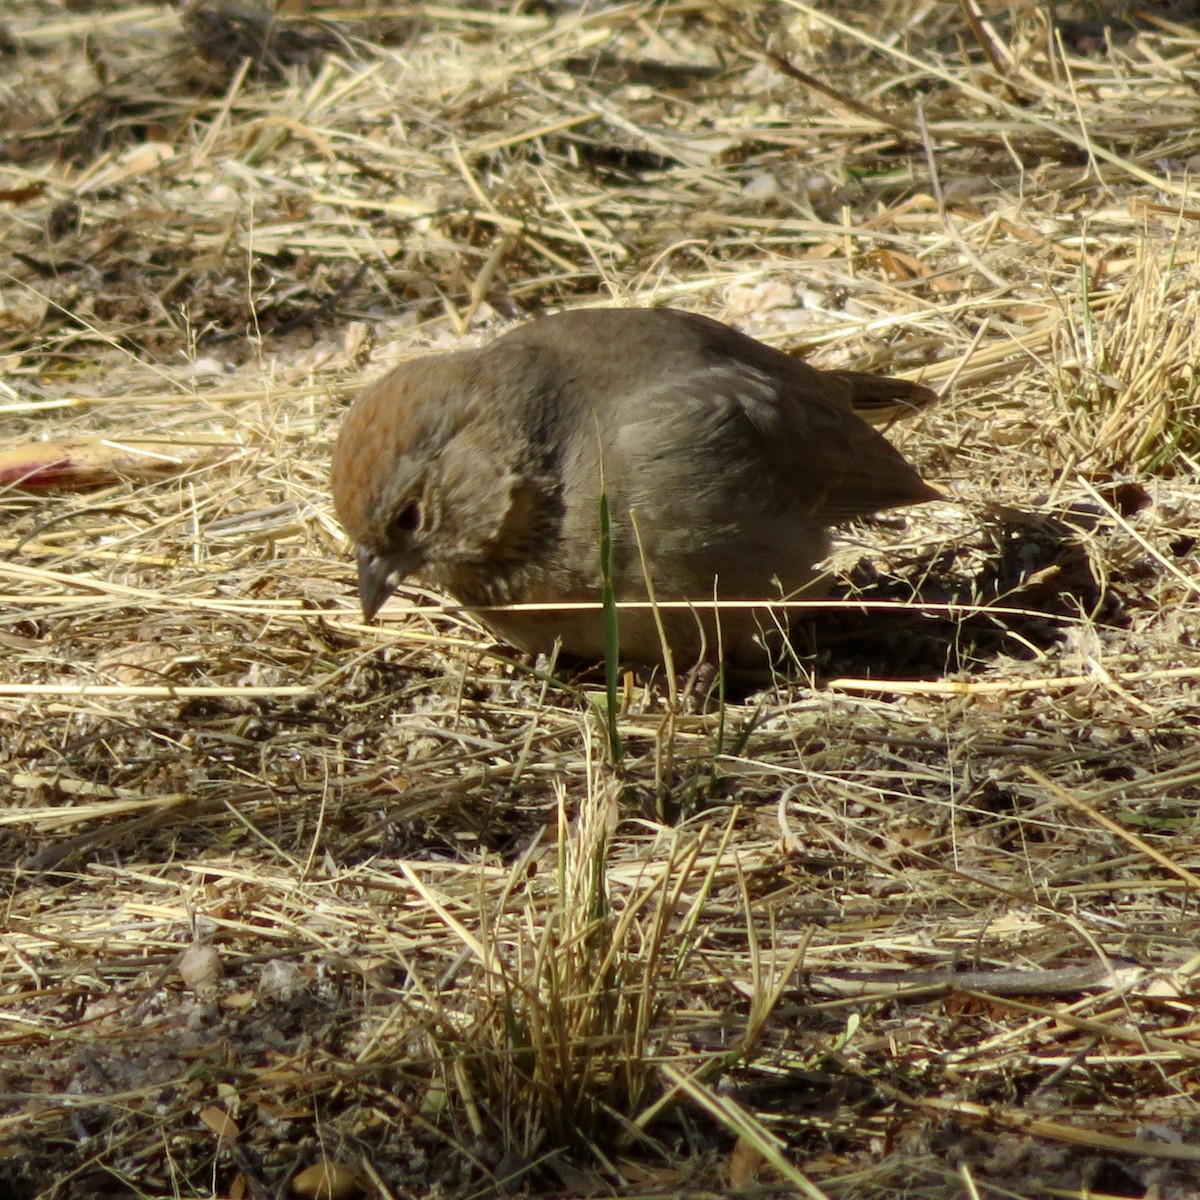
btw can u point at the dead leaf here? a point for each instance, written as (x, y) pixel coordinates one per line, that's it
(897, 267)
(19, 195)
(79, 463)
(219, 1122)
(744, 1163)
(328, 1180)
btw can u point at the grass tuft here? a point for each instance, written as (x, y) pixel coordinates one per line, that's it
(1128, 371)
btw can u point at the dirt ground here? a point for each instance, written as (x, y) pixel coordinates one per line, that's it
(301, 906)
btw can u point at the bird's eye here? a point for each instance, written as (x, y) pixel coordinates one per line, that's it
(408, 519)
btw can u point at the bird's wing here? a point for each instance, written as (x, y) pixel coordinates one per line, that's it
(801, 427)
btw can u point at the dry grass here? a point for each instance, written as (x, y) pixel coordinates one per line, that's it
(920, 921)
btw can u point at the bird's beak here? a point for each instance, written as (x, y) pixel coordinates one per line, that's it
(377, 579)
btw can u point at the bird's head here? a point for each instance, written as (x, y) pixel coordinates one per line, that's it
(425, 482)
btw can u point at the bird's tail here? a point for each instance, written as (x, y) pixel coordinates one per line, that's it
(882, 399)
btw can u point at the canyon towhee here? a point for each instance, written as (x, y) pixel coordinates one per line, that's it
(724, 462)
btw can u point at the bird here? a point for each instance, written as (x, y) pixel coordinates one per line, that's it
(723, 463)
